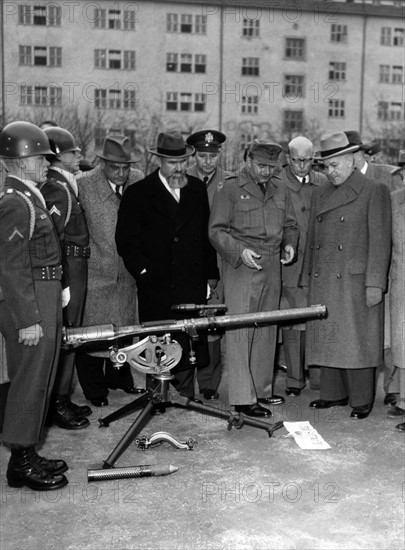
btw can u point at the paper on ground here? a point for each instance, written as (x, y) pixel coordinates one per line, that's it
(306, 436)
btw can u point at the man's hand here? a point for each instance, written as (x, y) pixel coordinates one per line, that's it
(211, 286)
(65, 296)
(248, 256)
(30, 336)
(373, 296)
(289, 255)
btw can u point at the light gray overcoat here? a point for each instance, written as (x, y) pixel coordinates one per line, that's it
(397, 276)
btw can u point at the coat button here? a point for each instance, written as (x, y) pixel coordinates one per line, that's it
(176, 239)
(342, 218)
(338, 276)
(316, 274)
(302, 208)
(319, 218)
(340, 247)
(318, 246)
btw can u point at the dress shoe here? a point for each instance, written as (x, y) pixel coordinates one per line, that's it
(395, 411)
(361, 412)
(210, 395)
(323, 404)
(65, 418)
(24, 469)
(293, 392)
(128, 389)
(400, 427)
(273, 400)
(252, 410)
(390, 399)
(99, 401)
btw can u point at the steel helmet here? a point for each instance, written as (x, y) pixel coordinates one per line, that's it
(60, 140)
(23, 139)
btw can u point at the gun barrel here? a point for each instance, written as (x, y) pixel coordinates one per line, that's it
(79, 335)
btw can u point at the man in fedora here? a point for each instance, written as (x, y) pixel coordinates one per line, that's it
(162, 236)
(111, 291)
(207, 156)
(253, 227)
(345, 267)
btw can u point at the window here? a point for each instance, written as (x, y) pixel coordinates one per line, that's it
(384, 73)
(185, 101)
(390, 111)
(385, 38)
(186, 63)
(250, 105)
(199, 102)
(337, 70)
(130, 99)
(172, 62)
(397, 74)
(295, 48)
(200, 24)
(114, 59)
(99, 136)
(186, 23)
(293, 121)
(246, 139)
(250, 66)
(41, 95)
(382, 110)
(398, 37)
(172, 22)
(336, 108)
(172, 101)
(251, 28)
(100, 18)
(114, 99)
(114, 19)
(338, 33)
(37, 14)
(129, 22)
(40, 55)
(293, 86)
(100, 98)
(200, 62)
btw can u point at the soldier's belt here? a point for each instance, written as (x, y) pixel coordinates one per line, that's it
(47, 273)
(76, 251)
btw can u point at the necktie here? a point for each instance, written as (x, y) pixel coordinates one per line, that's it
(206, 180)
(304, 180)
(262, 187)
(118, 191)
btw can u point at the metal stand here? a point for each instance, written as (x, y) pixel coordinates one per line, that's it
(164, 394)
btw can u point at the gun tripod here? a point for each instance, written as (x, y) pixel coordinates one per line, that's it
(162, 394)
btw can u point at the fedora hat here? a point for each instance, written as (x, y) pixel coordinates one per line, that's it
(371, 148)
(171, 145)
(401, 162)
(118, 149)
(334, 145)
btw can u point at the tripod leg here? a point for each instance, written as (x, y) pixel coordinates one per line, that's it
(133, 431)
(125, 410)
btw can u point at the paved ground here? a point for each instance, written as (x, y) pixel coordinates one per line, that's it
(237, 489)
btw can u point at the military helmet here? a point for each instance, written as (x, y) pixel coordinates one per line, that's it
(23, 139)
(61, 140)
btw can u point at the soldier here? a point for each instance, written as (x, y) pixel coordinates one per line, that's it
(301, 180)
(30, 305)
(252, 223)
(61, 195)
(207, 145)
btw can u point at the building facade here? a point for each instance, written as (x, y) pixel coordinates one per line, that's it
(251, 69)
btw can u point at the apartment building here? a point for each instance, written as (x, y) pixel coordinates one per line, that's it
(251, 69)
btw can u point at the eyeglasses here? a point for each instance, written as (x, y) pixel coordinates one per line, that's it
(303, 160)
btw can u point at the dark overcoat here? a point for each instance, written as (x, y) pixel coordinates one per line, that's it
(347, 250)
(111, 291)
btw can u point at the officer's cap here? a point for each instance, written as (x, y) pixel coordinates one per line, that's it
(263, 152)
(206, 140)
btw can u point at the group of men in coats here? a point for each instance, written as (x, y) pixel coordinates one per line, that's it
(297, 236)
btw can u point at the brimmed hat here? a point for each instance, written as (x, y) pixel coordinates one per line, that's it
(264, 152)
(171, 145)
(371, 148)
(401, 162)
(334, 145)
(118, 149)
(206, 140)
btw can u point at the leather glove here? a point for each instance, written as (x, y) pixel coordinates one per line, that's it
(373, 296)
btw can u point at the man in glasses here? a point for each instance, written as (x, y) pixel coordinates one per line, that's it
(301, 180)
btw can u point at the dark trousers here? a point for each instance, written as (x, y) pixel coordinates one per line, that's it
(96, 375)
(209, 377)
(356, 384)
